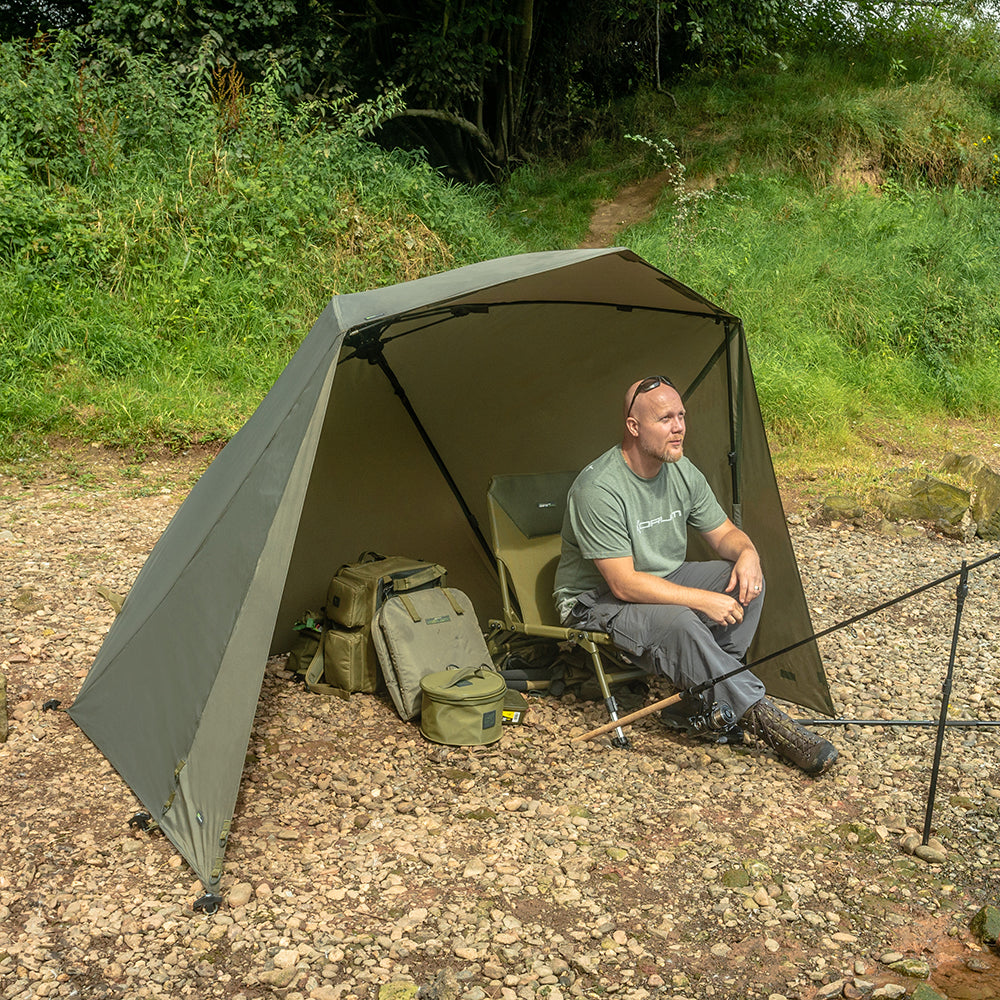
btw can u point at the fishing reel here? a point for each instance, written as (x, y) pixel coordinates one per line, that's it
(718, 715)
(699, 713)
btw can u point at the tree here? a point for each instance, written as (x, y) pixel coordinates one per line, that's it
(25, 18)
(483, 83)
(487, 83)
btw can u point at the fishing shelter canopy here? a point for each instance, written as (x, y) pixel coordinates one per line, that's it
(383, 433)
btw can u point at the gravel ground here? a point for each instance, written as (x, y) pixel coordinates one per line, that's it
(365, 862)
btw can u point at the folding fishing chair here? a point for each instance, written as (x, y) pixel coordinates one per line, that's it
(526, 514)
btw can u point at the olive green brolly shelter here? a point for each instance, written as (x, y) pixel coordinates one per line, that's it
(382, 434)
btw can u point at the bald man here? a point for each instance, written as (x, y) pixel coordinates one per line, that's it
(623, 571)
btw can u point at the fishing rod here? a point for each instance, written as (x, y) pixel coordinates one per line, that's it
(954, 723)
(864, 614)
(709, 684)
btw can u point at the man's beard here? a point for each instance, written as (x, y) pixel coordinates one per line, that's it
(667, 457)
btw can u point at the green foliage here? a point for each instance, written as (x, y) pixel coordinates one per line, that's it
(25, 18)
(846, 208)
(854, 303)
(194, 38)
(686, 199)
(157, 274)
(549, 204)
(822, 117)
(729, 35)
(485, 83)
(166, 239)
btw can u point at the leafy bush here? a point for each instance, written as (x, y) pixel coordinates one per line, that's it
(164, 250)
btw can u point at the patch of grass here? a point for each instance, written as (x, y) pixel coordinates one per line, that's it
(549, 205)
(828, 108)
(858, 306)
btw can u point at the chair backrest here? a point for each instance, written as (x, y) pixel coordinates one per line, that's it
(526, 514)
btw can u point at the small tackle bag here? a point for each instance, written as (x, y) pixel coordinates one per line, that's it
(463, 708)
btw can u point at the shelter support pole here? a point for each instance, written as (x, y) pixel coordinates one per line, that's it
(960, 591)
(738, 449)
(735, 415)
(735, 410)
(379, 359)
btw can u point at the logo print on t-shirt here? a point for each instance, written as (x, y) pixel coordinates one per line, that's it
(643, 525)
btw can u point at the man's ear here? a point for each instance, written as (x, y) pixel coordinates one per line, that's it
(632, 426)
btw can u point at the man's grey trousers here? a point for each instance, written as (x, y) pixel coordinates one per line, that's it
(683, 645)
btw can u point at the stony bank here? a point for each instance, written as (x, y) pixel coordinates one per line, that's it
(367, 863)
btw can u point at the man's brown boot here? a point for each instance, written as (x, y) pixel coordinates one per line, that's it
(787, 738)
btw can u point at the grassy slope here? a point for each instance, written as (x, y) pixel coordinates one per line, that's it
(165, 248)
(162, 273)
(848, 212)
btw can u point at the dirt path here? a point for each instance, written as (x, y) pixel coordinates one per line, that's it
(632, 204)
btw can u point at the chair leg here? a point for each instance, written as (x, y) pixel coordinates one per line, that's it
(619, 739)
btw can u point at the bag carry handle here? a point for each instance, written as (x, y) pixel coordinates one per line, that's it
(416, 616)
(365, 557)
(465, 673)
(408, 581)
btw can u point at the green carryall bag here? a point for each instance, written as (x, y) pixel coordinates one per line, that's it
(358, 589)
(353, 599)
(463, 708)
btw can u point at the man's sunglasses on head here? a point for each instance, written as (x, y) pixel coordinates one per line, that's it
(648, 385)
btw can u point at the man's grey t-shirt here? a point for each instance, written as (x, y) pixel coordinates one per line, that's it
(611, 512)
